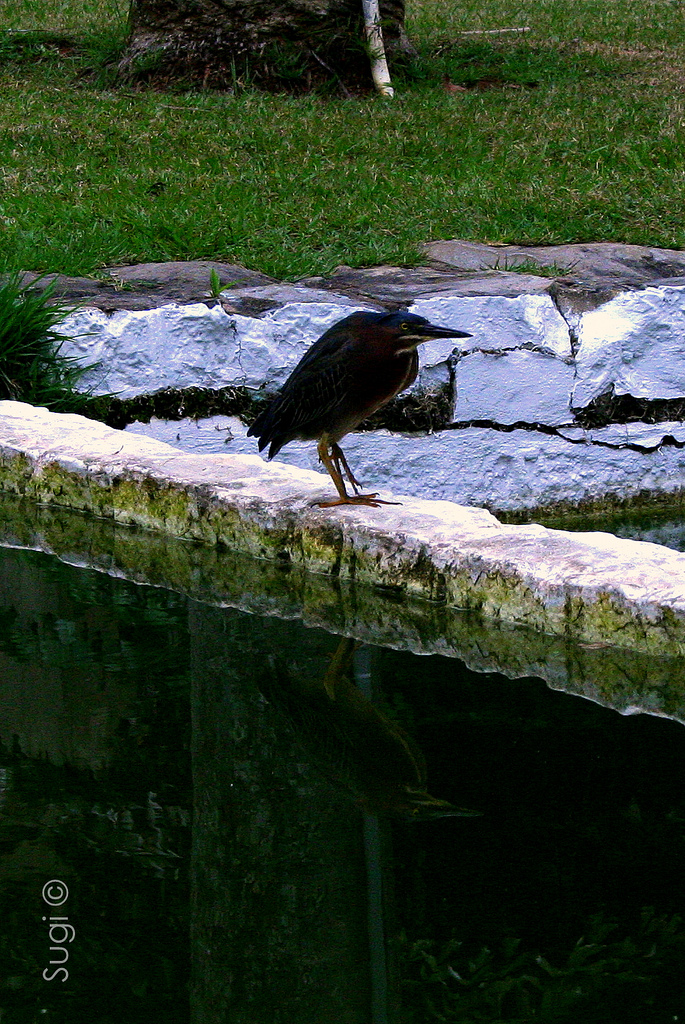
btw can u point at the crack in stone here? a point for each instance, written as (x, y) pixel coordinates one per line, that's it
(505, 428)
(555, 296)
(668, 441)
(609, 408)
(423, 413)
(232, 325)
(526, 346)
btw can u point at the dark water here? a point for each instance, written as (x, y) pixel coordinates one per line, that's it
(211, 816)
(658, 526)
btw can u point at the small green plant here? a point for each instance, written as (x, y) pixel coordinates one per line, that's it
(215, 285)
(148, 62)
(32, 368)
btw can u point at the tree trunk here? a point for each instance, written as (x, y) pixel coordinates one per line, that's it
(289, 45)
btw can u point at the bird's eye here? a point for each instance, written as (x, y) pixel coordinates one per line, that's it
(404, 326)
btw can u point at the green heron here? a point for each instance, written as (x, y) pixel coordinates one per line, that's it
(357, 366)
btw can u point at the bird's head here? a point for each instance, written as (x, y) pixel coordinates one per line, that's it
(407, 330)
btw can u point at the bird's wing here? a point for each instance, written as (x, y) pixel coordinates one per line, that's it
(334, 342)
(317, 386)
(328, 346)
(308, 400)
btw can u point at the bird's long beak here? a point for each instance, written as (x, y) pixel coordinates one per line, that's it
(432, 331)
(422, 806)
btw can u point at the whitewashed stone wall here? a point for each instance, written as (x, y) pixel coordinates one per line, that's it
(514, 442)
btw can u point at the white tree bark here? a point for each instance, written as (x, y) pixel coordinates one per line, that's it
(374, 37)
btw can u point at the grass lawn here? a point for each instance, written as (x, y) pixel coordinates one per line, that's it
(572, 131)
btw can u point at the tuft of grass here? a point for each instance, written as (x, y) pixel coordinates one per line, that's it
(62, 16)
(32, 368)
(570, 132)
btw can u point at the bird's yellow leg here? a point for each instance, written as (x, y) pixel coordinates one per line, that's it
(340, 663)
(338, 457)
(331, 461)
(332, 469)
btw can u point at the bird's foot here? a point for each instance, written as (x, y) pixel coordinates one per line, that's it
(371, 500)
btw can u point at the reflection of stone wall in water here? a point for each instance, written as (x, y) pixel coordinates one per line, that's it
(291, 909)
(70, 646)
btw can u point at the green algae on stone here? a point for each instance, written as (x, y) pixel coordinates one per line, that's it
(617, 677)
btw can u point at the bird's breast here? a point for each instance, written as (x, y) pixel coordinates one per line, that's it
(374, 375)
(384, 378)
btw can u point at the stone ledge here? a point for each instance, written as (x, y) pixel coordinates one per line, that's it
(592, 588)
(588, 266)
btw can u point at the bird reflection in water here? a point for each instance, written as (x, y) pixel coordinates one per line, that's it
(355, 744)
